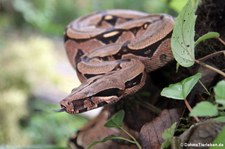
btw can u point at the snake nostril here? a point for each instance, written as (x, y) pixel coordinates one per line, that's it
(63, 104)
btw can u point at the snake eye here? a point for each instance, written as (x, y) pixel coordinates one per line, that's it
(145, 26)
(134, 81)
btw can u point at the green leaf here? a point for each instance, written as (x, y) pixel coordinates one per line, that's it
(219, 90)
(181, 89)
(206, 36)
(220, 119)
(177, 5)
(107, 139)
(182, 42)
(116, 120)
(219, 139)
(168, 135)
(204, 108)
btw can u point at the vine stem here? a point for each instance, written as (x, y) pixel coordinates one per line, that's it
(148, 105)
(211, 68)
(221, 41)
(211, 55)
(112, 138)
(190, 109)
(128, 140)
(135, 141)
(204, 87)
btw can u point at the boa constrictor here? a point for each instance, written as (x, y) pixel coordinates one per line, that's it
(112, 52)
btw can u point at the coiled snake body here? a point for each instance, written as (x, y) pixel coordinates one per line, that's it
(112, 52)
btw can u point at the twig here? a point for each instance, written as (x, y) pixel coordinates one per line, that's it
(211, 68)
(204, 87)
(134, 140)
(190, 109)
(148, 105)
(221, 40)
(211, 55)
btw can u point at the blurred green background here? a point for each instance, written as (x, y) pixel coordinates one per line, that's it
(34, 71)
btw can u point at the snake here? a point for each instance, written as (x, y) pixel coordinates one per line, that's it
(113, 51)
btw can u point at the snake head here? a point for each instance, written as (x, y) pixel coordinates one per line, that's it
(94, 93)
(106, 89)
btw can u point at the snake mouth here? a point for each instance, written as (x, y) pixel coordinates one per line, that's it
(63, 108)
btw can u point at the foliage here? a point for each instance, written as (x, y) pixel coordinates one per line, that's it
(27, 64)
(52, 16)
(45, 15)
(17, 77)
(219, 139)
(181, 89)
(207, 36)
(177, 5)
(168, 135)
(47, 127)
(12, 109)
(202, 109)
(182, 42)
(19, 68)
(116, 121)
(183, 48)
(219, 92)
